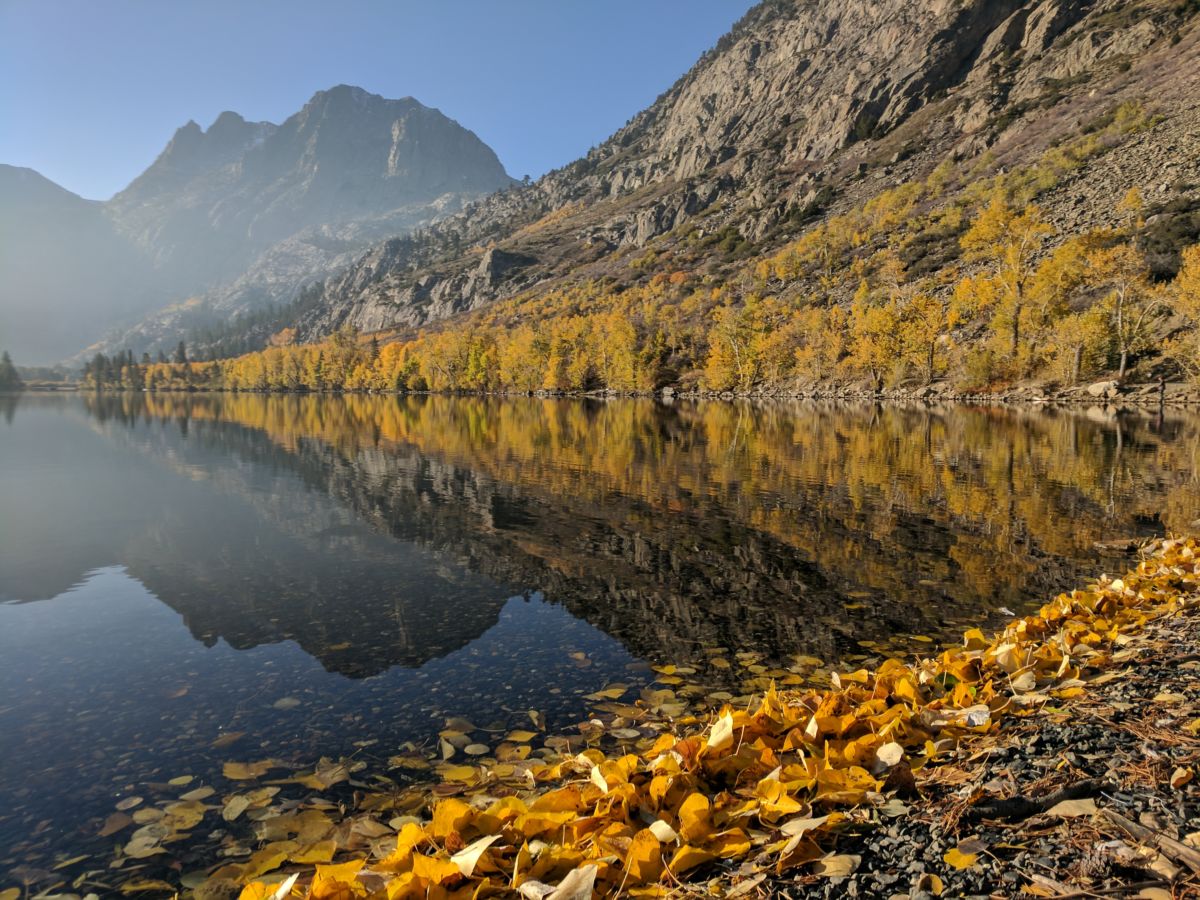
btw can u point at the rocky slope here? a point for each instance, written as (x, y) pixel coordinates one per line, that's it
(804, 107)
(242, 214)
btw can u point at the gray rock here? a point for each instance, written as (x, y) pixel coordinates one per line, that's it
(1103, 389)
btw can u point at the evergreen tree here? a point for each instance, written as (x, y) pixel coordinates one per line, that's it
(10, 378)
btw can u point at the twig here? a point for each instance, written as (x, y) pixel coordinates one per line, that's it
(1180, 853)
(1116, 889)
(1015, 809)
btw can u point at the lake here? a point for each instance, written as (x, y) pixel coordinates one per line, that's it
(187, 580)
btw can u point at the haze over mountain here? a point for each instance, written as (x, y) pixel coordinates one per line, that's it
(240, 214)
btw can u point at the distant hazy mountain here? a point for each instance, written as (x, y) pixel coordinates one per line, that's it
(65, 273)
(238, 214)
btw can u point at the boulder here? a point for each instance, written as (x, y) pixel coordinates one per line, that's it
(1103, 389)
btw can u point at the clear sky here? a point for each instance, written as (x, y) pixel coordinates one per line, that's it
(91, 90)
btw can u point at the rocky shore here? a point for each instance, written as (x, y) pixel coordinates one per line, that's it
(1055, 758)
(1107, 393)
(1092, 798)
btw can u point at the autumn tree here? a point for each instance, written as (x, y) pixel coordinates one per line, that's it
(925, 323)
(732, 362)
(1008, 241)
(1134, 305)
(520, 360)
(875, 338)
(821, 341)
(1079, 345)
(1185, 299)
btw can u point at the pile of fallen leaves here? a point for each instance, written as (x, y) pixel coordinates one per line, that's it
(763, 788)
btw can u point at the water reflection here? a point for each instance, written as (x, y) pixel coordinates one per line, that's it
(176, 565)
(791, 528)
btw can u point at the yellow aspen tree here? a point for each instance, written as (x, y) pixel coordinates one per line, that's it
(924, 324)
(1185, 302)
(730, 364)
(1133, 303)
(1009, 242)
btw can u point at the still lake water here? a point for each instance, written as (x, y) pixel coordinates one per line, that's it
(339, 575)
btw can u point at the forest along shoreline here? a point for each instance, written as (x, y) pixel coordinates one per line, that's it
(1056, 757)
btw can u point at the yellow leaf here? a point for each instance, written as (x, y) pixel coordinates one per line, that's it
(664, 832)
(259, 891)
(337, 882)
(579, 884)
(931, 884)
(200, 793)
(890, 754)
(688, 857)
(695, 820)
(320, 852)
(236, 771)
(467, 858)
(408, 762)
(730, 844)
(1180, 777)
(799, 826)
(521, 737)
(644, 862)
(265, 860)
(836, 865)
(112, 825)
(960, 860)
(234, 807)
(410, 837)
(449, 816)
(1069, 809)
(434, 870)
(722, 733)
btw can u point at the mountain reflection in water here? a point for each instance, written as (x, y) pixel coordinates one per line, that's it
(784, 528)
(339, 574)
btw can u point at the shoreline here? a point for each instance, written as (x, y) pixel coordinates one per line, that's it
(1178, 395)
(1046, 759)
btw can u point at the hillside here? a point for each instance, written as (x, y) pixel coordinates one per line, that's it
(820, 153)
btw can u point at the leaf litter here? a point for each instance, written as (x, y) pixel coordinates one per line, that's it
(655, 791)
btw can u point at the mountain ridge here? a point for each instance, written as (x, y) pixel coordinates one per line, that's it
(351, 164)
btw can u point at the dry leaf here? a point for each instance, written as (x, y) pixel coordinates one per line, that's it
(1070, 809)
(836, 865)
(467, 858)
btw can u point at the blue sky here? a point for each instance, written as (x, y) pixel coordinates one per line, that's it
(91, 90)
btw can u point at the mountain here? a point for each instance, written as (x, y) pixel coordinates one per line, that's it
(65, 274)
(214, 200)
(229, 218)
(804, 115)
